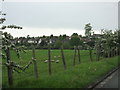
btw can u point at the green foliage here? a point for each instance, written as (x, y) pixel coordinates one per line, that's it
(75, 41)
(74, 34)
(91, 43)
(43, 43)
(2, 20)
(7, 45)
(88, 29)
(51, 36)
(66, 45)
(117, 33)
(58, 44)
(62, 37)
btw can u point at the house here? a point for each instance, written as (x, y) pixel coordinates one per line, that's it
(96, 35)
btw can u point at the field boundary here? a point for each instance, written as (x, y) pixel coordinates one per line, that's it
(98, 81)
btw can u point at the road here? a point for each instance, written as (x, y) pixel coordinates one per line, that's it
(113, 81)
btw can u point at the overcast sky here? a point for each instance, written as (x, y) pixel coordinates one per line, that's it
(46, 18)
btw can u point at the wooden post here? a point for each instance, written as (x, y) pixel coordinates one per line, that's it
(117, 51)
(35, 63)
(113, 52)
(97, 53)
(74, 55)
(105, 53)
(109, 53)
(49, 60)
(63, 58)
(79, 54)
(10, 70)
(90, 52)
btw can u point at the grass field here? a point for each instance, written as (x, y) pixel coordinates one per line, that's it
(78, 76)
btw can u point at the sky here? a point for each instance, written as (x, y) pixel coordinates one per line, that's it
(46, 18)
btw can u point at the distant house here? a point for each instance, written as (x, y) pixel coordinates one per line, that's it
(53, 39)
(67, 38)
(96, 35)
(39, 41)
(85, 39)
(30, 41)
(20, 40)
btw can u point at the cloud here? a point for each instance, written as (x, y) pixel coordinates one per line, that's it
(45, 31)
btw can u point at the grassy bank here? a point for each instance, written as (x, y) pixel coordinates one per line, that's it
(78, 76)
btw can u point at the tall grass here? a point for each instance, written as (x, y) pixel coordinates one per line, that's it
(74, 77)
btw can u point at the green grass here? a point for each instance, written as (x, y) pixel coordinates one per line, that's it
(79, 76)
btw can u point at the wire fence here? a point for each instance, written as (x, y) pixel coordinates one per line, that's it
(28, 74)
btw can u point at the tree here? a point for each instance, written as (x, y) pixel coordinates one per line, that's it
(44, 36)
(66, 45)
(58, 44)
(75, 41)
(62, 37)
(6, 47)
(109, 42)
(43, 43)
(117, 33)
(11, 65)
(88, 30)
(74, 34)
(51, 36)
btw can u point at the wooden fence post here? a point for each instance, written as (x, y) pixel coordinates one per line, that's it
(109, 53)
(90, 52)
(74, 55)
(35, 63)
(49, 60)
(97, 52)
(79, 54)
(10, 69)
(112, 52)
(116, 51)
(63, 58)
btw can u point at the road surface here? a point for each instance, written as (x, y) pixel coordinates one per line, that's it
(113, 81)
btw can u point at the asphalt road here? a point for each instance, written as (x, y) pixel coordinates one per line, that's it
(113, 81)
